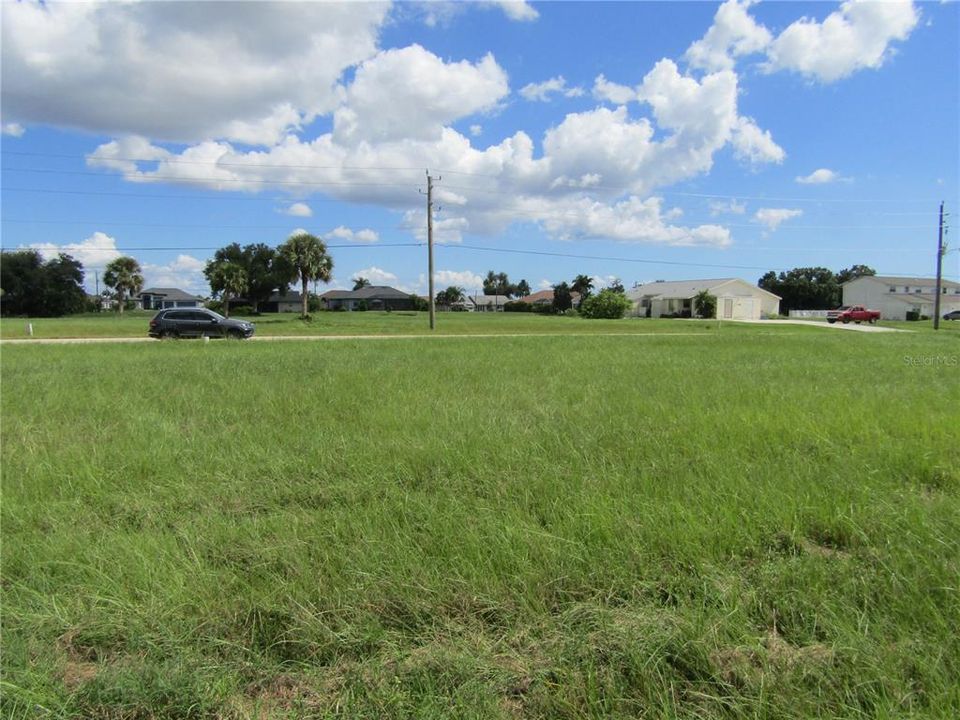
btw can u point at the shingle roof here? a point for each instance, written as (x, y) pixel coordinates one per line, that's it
(370, 292)
(896, 280)
(170, 293)
(685, 288)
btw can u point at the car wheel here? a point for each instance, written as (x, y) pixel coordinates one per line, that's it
(168, 335)
(846, 321)
(235, 334)
(831, 320)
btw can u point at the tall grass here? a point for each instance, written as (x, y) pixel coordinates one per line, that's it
(732, 525)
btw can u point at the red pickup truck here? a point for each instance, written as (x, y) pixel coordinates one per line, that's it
(856, 313)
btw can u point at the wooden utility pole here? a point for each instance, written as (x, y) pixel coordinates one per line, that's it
(433, 310)
(936, 300)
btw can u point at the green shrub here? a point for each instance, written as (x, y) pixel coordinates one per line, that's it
(913, 315)
(705, 304)
(517, 306)
(242, 310)
(607, 304)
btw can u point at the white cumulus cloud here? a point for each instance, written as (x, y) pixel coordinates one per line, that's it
(773, 217)
(185, 273)
(376, 276)
(517, 10)
(13, 129)
(818, 177)
(754, 145)
(734, 33)
(93, 252)
(543, 90)
(246, 72)
(856, 36)
(298, 209)
(345, 234)
(461, 278)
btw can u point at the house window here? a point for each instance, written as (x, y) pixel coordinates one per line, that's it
(917, 291)
(906, 288)
(893, 288)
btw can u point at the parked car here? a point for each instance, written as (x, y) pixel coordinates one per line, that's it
(855, 313)
(952, 315)
(197, 322)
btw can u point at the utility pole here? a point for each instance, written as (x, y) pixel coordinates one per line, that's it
(433, 310)
(936, 300)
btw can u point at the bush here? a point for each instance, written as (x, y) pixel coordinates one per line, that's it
(607, 304)
(570, 312)
(913, 315)
(242, 310)
(705, 304)
(517, 306)
(214, 305)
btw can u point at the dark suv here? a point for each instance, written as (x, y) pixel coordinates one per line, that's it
(197, 322)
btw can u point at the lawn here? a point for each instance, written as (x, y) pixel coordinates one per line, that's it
(744, 522)
(134, 324)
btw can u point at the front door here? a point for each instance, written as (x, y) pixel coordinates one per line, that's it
(727, 308)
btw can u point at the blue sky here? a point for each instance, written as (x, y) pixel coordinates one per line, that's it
(636, 140)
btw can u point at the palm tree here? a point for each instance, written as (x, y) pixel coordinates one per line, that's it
(308, 259)
(582, 284)
(360, 282)
(228, 279)
(125, 276)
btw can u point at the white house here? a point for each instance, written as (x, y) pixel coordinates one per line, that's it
(894, 297)
(486, 303)
(736, 299)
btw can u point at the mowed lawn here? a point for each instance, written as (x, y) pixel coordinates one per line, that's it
(134, 324)
(754, 523)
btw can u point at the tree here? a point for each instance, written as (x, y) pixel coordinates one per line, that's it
(266, 271)
(227, 279)
(307, 257)
(853, 272)
(498, 284)
(617, 286)
(450, 297)
(562, 301)
(582, 284)
(607, 304)
(125, 277)
(45, 289)
(360, 282)
(812, 288)
(705, 304)
(522, 288)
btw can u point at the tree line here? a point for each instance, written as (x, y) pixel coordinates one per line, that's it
(811, 288)
(30, 286)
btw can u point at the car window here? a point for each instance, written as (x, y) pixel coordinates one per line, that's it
(176, 315)
(201, 316)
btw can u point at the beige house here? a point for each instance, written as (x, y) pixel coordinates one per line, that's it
(894, 297)
(736, 299)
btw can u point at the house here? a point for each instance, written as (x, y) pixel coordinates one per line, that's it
(282, 303)
(371, 297)
(545, 297)
(894, 297)
(736, 299)
(161, 298)
(486, 303)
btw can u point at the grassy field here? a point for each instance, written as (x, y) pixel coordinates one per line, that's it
(134, 324)
(747, 523)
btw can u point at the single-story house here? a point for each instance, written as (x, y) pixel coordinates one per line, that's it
(161, 298)
(545, 297)
(276, 303)
(486, 303)
(895, 296)
(371, 297)
(736, 299)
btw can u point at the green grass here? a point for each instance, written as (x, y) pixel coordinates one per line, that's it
(742, 524)
(134, 324)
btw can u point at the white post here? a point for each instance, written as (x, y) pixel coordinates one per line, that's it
(29, 329)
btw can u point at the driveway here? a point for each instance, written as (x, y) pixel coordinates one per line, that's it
(865, 327)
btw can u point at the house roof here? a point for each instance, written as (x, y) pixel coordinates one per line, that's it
(897, 280)
(169, 293)
(686, 288)
(545, 296)
(370, 292)
(496, 300)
